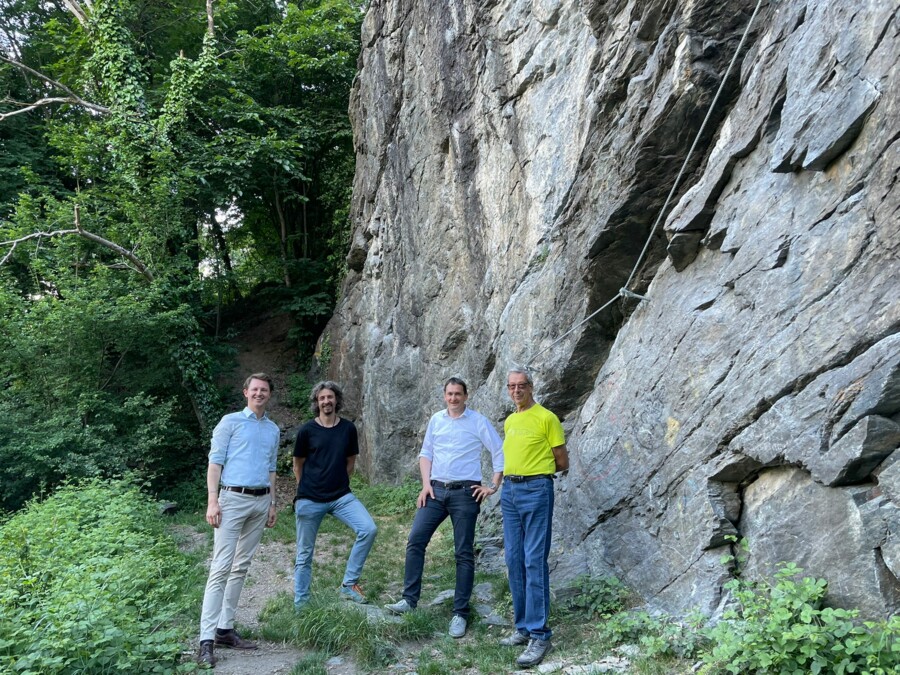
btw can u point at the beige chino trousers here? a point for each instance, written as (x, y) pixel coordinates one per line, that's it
(236, 539)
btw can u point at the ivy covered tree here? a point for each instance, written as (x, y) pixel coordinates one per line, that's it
(159, 162)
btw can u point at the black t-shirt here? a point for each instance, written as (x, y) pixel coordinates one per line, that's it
(326, 449)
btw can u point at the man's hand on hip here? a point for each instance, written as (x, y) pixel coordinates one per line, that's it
(427, 491)
(481, 492)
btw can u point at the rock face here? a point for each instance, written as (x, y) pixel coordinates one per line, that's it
(513, 157)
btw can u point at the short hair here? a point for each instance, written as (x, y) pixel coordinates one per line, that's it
(260, 376)
(338, 396)
(521, 371)
(456, 380)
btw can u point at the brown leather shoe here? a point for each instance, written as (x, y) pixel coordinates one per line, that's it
(232, 640)
(207, 654)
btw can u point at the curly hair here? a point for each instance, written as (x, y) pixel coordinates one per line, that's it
(338, 396)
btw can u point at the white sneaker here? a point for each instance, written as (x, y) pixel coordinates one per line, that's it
(401, 607)
(457, 626)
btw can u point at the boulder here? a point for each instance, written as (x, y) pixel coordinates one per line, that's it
(515, 160)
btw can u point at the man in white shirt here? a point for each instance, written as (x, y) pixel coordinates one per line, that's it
(450, 464)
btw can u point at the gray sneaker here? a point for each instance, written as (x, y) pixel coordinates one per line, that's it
(457, 626)
(401, 607)
(534, 653)
(515, 640)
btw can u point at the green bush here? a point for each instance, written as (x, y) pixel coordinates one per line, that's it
(90, 583)
(90, 387)
(783, 628)
(656, 636)
(596, 596)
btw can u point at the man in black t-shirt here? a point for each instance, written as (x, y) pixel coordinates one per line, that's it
(324, 457)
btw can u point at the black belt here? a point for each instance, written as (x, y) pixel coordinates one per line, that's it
(256, 492)
(523, 479)
(454, 484)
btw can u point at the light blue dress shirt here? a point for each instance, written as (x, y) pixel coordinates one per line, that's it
(246, 447)
(454, 445)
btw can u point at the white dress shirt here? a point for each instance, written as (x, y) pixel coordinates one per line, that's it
(454, 445)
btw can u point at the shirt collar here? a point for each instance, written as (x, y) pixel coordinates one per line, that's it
(465, 413)
(249, 413)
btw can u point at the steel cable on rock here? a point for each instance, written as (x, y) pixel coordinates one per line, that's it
(624, 292)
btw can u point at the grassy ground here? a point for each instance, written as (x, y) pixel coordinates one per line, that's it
(419, 641)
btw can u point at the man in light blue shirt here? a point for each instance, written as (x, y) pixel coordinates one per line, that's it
(242, 459)
(450, 465)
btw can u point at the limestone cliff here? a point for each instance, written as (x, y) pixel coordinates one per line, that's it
(513, 156)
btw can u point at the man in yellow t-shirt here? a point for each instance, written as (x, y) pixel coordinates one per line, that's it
(534, 449)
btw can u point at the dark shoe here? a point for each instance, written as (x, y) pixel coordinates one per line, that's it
(207, 654)
(231, 639)
(534, 653)
(515, 640)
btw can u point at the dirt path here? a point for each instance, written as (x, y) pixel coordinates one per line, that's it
(269, 575)
(264, 346)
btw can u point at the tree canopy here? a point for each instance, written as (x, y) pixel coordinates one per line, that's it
(160, 162)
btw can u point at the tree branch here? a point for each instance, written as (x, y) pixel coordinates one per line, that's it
(140, 267)
(75, 98)
(124, 252)
(35, 105)
(76, 9)
(210, 24)
(12, 243)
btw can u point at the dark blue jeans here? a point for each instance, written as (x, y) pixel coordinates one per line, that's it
(463, 510)
(527, 518)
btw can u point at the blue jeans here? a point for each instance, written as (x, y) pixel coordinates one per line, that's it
(463, 510)
(350, 511)
(527, 509)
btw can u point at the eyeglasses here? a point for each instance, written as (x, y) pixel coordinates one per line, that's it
(520, 386)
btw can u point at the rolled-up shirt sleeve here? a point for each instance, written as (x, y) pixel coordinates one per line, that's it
(428, 444)
(492, 441)
(221, 437)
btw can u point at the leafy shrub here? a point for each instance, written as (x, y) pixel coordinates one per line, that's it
(596, 596)
(655, 635)
(781, 627)
(90, 583)
(90, 387)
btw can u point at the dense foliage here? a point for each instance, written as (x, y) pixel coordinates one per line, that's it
(181, 166)
(90, 583)
(782, 627)
(777, 626)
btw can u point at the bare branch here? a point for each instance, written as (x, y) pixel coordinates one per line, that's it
(53, 83)
(76, 9)
(12, 243)
(124, 252)
(139, 267)
(36, 104)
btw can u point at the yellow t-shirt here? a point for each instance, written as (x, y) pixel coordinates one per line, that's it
(530, 437)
